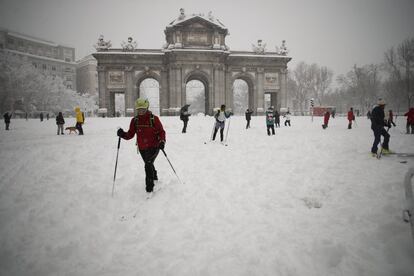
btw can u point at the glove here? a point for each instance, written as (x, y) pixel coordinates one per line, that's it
(120, 132)
(161, 145)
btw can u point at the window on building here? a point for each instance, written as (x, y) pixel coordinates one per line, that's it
(44, 67)
(69, 78)
(34, 64)
(69, 86)
(53, 68)
(21, 44)
(68, 69)
(10, 40)
(1, 46)
(68, 59)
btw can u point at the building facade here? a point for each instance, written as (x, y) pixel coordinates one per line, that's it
(87, 76)
(195, 49)
(48, 57)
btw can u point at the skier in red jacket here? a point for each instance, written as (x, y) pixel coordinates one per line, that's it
(351, 117)
(150, 139)
(410, 120)
(326, 119)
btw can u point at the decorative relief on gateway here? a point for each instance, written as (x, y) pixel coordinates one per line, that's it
(198, 38)
(271, 81)
(116, 79)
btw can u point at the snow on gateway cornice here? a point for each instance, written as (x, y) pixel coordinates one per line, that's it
(183, 18)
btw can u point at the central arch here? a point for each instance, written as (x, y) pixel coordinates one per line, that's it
(247, 79)
(204, 79)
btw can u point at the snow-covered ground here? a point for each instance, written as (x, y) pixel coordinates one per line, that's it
(306, 201)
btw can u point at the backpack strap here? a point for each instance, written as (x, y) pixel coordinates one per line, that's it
(151, 124)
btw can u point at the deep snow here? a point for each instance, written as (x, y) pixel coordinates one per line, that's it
(306, 201)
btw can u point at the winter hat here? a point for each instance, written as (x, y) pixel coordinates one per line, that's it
(381, 102)
(141, 103)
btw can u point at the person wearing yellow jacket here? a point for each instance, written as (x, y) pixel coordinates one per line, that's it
(80, 119)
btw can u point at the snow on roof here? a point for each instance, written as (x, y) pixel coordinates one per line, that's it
(210, 19)
(40, 57)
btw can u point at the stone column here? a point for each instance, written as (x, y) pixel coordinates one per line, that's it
(260, 91)
(283, 87)
(218, 95)
(129, 87)
(164, 99)
(229, 88)
(102, 86)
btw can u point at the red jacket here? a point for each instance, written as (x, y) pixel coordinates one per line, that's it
(351, 116)
(326, 118)
(149, 134)
(410, 115)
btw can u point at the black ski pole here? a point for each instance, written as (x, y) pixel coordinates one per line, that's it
(116, 165)
(171, 166)
(212, 131)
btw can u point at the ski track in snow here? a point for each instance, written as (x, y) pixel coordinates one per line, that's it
(306, 201)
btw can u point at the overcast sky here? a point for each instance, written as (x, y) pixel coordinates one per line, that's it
(331, 33)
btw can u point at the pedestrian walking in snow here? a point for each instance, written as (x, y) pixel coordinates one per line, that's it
(377, 125)
(7, 116)
(277, 119)
(80, 119)
(60, 122)
(326, 119)
(248, 115)
(270, 120)
(351, 117)
(184, 114)
(287, 117)
(221, 116)
(150, 139)
(391, 118)
(27, 116)
(369, 115)
(410, 120)
(47, 116)
(41, 116)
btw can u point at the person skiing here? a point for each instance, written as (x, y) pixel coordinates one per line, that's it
(60, 121)
(7, 116)
(184, 114)
(351, 117)
(287, 116)
(391, 118)
(151, 139)
(277, 119)
(80, 119)
(220, 117)
(377, 125)
(270, 120)
(410, 120)
(248, 115)
(326, 119)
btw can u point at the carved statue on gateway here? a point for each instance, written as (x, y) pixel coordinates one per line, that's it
(282, 50)
(129, 46)
(102, 45)
(259, 48)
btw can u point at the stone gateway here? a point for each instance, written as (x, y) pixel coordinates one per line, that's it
(195, 49)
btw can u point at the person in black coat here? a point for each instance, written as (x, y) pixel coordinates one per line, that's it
(60, 121)
(7, 116)
(248, 117)
(184, 114)
(277, 119)
(377, 125)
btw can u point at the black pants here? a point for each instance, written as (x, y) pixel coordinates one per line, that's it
(79, 128)
(185, 126)
(7, 126)
(149, 155)
(277, 124)
(377, 139)
(287, 122)
(270, 127)
(221, 133)
(248, 124)
(350, 125)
